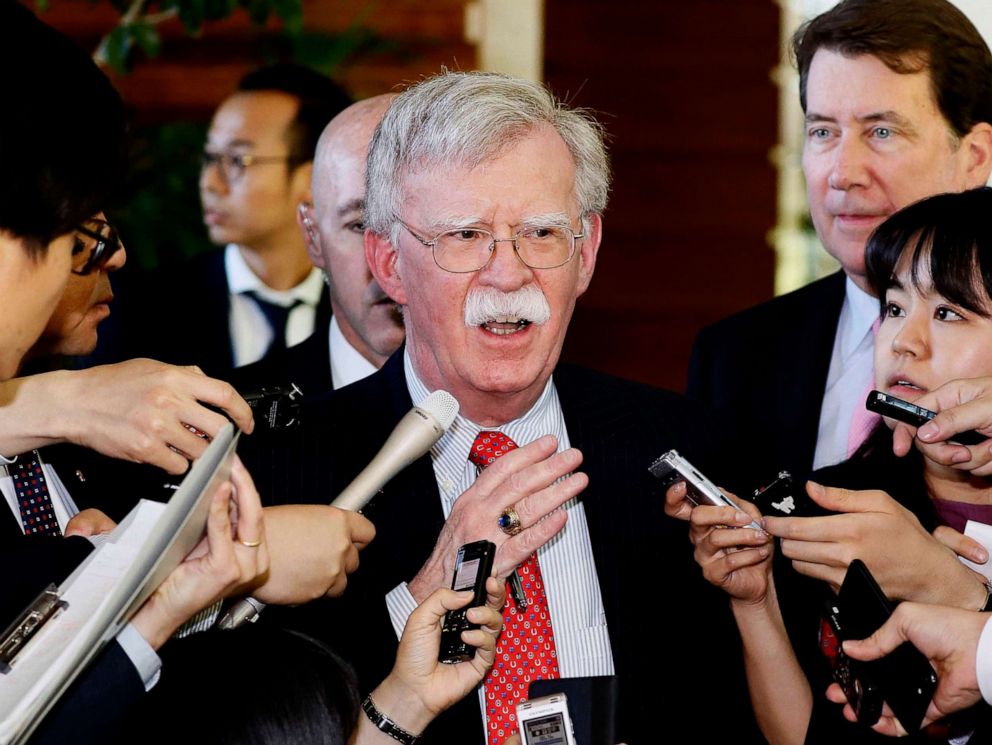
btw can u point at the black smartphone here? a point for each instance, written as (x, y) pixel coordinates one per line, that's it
(854, 676)
(473, 565)
(910, 413)
(782, 497)
(905, 679)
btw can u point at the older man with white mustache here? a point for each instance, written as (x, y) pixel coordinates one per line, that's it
(484, 202)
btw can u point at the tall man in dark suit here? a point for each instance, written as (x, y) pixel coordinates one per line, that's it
(260, 293)
(898, 102)
(484, 202)
(365, 325)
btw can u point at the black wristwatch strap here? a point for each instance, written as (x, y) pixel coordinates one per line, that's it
(387, 725)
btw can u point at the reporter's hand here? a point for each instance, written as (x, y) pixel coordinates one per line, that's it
(732, 557)
(887, 723)
(526, 479)
(947, 636)
(961, 405)
(89, 522)
(908, 562)
(138, 411)
(312, 550)
(677, 504)
(964, 546)
(221, 564)
(419, 687)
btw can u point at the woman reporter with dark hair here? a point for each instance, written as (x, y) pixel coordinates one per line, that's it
(931, 265)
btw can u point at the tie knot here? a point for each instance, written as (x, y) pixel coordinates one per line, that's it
(277, 316)
(488, 446)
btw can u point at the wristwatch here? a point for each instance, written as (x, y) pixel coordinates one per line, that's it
(387, 725)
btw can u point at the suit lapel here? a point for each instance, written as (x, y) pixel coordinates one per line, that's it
(810, 347)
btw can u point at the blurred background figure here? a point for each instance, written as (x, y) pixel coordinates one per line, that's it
(365, 326)
(259, 294)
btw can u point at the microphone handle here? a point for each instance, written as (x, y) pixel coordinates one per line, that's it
(410, 439)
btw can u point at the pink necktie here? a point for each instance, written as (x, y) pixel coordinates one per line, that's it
(526, 648)
(863, 421)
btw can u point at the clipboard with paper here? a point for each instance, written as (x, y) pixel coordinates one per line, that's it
(106, 589)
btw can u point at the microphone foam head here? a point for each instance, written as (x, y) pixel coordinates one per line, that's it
(442, 406)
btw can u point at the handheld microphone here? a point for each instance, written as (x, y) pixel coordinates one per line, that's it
(416, 432)
(412, 437)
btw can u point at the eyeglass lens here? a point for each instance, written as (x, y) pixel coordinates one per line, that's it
(467, 250)
(96, 242)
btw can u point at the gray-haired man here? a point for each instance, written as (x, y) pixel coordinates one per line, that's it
(484, 202)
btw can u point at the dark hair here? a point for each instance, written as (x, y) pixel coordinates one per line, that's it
(62, 132)
(909, 36)
(321, 99)
(257, 686)
(953, 234)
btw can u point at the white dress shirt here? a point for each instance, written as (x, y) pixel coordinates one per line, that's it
(347, 363)
(65, 509)
(251, 334)
(572, 586)
(851, 370)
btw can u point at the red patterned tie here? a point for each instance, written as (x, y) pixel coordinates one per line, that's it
(526, 648)
(33, 499)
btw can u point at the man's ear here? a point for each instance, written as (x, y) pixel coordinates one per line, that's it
(381, 256)
(978, 144)
(587, 249)
(311, 233)
(299, 182)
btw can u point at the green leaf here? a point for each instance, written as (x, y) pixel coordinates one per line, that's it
(258, 10)
(191, 13)
(291, 14)
(215, 10)
(146, 36)
(118, 47)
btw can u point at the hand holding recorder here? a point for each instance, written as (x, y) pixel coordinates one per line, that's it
(960, 406)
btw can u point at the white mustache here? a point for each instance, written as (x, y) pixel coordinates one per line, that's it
(489, 304)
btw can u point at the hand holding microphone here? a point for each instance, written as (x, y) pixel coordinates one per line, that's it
(412, 438)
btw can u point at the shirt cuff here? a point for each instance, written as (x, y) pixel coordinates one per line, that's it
(142, 656)
(983, 662)
(400, 604)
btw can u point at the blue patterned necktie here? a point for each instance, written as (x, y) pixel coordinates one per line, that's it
(33, 498)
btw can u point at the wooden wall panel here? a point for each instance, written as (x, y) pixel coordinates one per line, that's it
(192, 76)
(684, 89)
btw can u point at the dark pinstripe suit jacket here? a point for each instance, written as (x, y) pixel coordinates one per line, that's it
(671, 635)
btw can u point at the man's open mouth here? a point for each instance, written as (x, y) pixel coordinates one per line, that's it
(503, 325)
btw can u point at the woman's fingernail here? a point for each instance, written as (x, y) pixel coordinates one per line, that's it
(928, 432)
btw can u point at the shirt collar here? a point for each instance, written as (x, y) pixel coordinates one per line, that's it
(451, 451)
(859, 312)
(347, 363)
(241, 279)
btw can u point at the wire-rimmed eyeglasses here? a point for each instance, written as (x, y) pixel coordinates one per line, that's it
(463, 250)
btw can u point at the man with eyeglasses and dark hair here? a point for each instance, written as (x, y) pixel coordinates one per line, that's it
(54, 179)
(260, 294)
(484, 201)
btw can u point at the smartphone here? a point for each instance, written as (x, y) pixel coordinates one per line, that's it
(909, 413)
(781, 497)
(671, 468)
(904, 678)
(545, 721)
(473, 566)
(854, 676)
